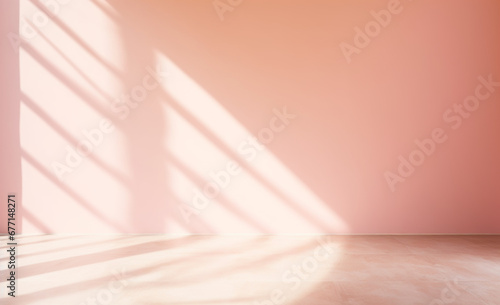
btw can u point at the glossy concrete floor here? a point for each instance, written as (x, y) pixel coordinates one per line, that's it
(198, 270)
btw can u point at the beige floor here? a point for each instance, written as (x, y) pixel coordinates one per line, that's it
(153, 270)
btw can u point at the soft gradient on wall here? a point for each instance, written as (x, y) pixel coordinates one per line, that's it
(220, 82)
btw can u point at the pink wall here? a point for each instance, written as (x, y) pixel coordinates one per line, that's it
(10, 160)
(358, 102)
